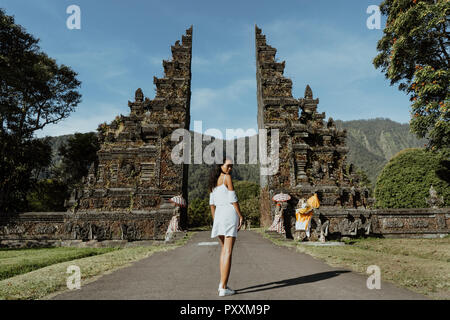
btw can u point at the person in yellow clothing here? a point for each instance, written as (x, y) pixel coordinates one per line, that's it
(304, 212)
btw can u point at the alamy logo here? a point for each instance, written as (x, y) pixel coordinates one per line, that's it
(74, 20)
(74, 280)
(373, 21)
(374, 280)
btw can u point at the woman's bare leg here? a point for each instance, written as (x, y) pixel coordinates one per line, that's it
(221, 240)
(226, 260)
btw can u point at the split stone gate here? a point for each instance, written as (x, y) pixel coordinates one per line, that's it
(126, 193)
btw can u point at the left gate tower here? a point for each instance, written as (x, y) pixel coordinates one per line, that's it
(134, 177)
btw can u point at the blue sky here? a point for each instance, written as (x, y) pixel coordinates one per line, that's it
(121, 45)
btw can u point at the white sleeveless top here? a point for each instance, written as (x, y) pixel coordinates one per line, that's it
(222, 196)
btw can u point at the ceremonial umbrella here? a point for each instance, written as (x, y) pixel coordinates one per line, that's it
(178, 201)
(281, 197)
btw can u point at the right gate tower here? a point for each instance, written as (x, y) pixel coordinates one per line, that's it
(312, 154)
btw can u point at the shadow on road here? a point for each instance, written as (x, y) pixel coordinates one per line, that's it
(293, 281)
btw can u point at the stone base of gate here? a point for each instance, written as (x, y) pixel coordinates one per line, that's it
(338, 224)
(90, 229)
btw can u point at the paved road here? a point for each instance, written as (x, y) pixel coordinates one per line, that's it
(260, 270)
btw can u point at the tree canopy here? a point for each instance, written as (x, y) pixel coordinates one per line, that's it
(414, 52)
(77, 155)
(34, 91)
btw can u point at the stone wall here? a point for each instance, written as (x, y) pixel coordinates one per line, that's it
(47, 227)
(36, 229)
(408, 223)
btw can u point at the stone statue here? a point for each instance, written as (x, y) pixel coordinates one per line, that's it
(331, 124)
(174, 222)
(91, 175)
(323, 229)
(139, 95)
(433, 200)
(317, 170)
(277, 224)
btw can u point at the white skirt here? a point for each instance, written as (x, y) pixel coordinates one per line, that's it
(226, 221)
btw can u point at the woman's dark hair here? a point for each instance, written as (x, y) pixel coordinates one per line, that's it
(215, 172)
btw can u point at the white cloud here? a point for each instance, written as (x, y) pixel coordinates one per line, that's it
(157, 60)
(83, 120)
(232, 106)
(103, 64)
(198, 61)
(218, 60)
(224, 57)
(209, 98)
(203, 98)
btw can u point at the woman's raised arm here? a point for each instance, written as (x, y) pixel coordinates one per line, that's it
(229, 185)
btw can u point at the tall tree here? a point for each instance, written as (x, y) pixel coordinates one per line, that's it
(414, 52)
(34, 92)
(77, 154)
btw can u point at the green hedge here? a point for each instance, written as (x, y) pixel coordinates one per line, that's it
(199, 213)
(406, 179)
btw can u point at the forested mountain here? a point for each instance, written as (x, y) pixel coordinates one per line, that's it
(371, 144)
(199, 173)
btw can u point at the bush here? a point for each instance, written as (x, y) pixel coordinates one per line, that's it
(199, 213)
(248, 196)
(406, 179)
(250, 211)
(48, 195)
(246, 190)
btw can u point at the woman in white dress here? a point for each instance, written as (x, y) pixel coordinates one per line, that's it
(227, 218)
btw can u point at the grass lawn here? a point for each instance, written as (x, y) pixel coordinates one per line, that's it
(18, 261)
(421, 265)
(47, 281)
